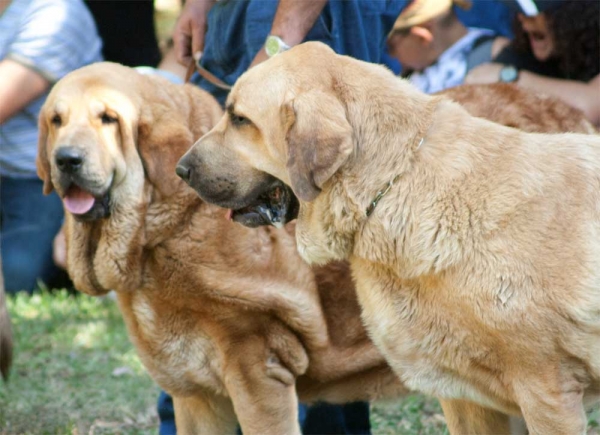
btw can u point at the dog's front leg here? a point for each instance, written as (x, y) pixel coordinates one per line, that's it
(263, 390)
(552, 402)
(463, 418)
(204, 415)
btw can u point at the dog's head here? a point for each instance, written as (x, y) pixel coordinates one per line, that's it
(284, 125)
(109, 142)
(96, 124)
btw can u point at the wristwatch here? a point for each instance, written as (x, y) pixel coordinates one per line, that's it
(508, 74)
(275, 45)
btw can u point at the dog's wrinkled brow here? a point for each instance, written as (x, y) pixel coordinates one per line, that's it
(230, 108)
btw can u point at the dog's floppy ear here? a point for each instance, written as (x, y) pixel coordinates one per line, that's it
(161, 143)
(42, 162)
(319, 141)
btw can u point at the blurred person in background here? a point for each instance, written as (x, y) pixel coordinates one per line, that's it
(228, 37)
(127, 30)
(435, 49)
(556, 51)
(40, 42)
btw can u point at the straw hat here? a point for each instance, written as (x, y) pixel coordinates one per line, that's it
(420, 11)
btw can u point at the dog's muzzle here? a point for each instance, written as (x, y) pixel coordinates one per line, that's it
(276, 207)
(82, 201)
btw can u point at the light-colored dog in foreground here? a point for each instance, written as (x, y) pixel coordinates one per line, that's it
(230, 321)
(475, 247)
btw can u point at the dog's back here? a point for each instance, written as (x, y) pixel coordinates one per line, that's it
(510, 105)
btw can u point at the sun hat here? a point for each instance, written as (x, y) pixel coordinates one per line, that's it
(420, 11)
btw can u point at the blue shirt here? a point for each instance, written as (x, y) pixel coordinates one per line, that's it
(52, 37)
(237, 30)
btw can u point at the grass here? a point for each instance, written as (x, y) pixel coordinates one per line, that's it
(75, 372)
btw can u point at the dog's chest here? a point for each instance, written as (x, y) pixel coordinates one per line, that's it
(178, 356)
(425, 350)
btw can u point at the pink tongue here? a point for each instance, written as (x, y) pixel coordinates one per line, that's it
(78, 201)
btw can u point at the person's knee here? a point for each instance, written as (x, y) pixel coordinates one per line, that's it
(27, 258)
(21, 269)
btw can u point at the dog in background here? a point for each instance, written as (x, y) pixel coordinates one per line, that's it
(513, 106)
(475, 247)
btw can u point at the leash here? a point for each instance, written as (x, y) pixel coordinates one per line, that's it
(206, 74)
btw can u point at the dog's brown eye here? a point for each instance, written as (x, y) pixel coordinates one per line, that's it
(56, 120)
(107, 119)
(238, 120)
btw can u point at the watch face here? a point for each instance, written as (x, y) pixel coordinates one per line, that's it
(271, 46)
(508, 74)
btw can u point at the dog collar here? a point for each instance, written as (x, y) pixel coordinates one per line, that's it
(381, 194)
(386, 189)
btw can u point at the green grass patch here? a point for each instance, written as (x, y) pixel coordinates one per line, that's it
(75, 372)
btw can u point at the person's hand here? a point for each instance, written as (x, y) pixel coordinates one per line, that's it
(189, 32)
(484, 74)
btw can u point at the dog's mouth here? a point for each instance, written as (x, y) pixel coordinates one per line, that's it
(85, 206)
(276, 206)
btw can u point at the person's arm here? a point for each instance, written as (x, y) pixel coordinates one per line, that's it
(190, 30)
(55, 38)
(19, 86)
(581, 95)
(293, 20)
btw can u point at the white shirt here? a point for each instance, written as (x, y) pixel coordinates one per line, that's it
(451, 67)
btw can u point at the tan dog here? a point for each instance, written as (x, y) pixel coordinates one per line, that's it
(230, 321)
(475, 247)
(513, 106)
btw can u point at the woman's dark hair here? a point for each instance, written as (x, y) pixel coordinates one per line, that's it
(575, 28)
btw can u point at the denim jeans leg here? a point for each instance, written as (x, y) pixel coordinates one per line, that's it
(166, 415)
(348, 419)
(29, 220)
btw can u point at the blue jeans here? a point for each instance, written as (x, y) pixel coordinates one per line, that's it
(319, 419)
(29, 220)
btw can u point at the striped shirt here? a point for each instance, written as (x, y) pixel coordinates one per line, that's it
(52, 37)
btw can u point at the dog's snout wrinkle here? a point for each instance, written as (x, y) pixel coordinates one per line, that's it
(69, 159)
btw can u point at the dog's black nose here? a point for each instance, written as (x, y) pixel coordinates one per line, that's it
(184, 172)
(69, 159)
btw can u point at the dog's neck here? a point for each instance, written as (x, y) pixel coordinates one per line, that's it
(382, 152)
(385, 149)
(392, 149)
